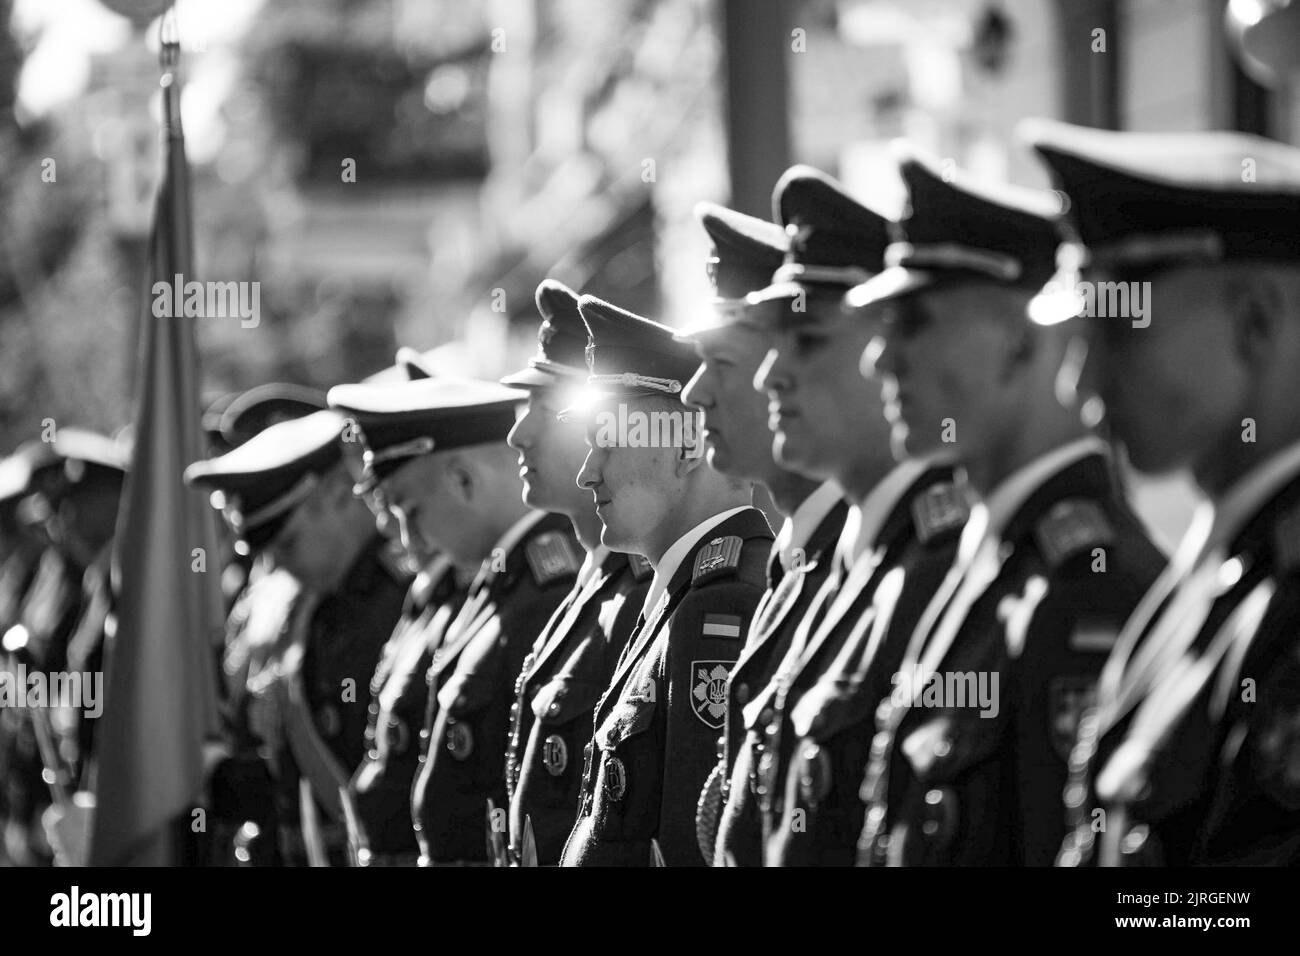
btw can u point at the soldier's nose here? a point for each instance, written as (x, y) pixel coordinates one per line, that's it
(696, 392)
(589, 473)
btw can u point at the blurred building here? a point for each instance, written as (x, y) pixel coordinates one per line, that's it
(406, 171)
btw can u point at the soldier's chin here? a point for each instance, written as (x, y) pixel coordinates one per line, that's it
(535, 496)
(612, 536)
(789, 452)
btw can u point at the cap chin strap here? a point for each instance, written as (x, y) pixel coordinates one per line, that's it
(951, 255)
(834, 275)
(669, 386)
(247, 521)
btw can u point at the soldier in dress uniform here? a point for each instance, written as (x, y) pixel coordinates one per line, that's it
(82, 526)
(1191, 756)
(732, 345)
(572, 659)
(813, 385)
(287, 492)
(451, 479)
(229, 422)
(377, 801)
(972, 743)
(71, 491)
(657, 724)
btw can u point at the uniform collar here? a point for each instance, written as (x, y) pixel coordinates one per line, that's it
(799, 527)
(1240, 503)
(508, 541)
(1011, 494)
(516, 532)
(868, 517)
(592, 565)
(677, 553)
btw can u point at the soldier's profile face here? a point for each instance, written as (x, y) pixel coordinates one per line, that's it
(1172, 388)
(825, 418)
(303, 545)
(735, 415)
(936, 360)
(412, 494)
(551, 453)
(633, 484)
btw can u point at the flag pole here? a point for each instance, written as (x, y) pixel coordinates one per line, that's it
(160, 707)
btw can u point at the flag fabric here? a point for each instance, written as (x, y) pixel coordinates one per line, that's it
(160, 690)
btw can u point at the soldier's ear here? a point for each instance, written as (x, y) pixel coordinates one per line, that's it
(1257, 305)
(458, 475)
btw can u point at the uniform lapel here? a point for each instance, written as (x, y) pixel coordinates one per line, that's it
(565, 617)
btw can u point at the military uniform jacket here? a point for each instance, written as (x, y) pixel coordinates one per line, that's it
(1205, 772)
(726, 812)
(657, 725)
(813, 769)
(974, 772)
(562, 678)
(472, 678)
(324, 687)
(379, 794)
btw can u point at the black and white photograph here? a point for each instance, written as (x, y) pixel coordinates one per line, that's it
(650, 433)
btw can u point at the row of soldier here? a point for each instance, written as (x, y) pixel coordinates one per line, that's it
(961, 646)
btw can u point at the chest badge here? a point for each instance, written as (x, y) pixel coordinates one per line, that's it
(555, 755)
(709, 695)
(615, 778)
(460, 740)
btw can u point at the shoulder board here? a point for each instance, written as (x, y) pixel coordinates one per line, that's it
(938, 510)
(719, 558)
(1286, 540)
(1071, 526)
(642, 569)
(551, 557)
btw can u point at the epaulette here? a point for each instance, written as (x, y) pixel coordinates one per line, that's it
(642, 569)
(551, 556)
(1286, 540)
(718, 558)
(938, 510)
(1071, 526)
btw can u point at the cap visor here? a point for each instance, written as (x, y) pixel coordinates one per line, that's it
(531, 378)
(894, 283)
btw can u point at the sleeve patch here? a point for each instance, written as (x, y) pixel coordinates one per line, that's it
(721, 625)
(709, 693)
(1072, 526)
(718, 558)
(1093, 638)
(551, 557)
